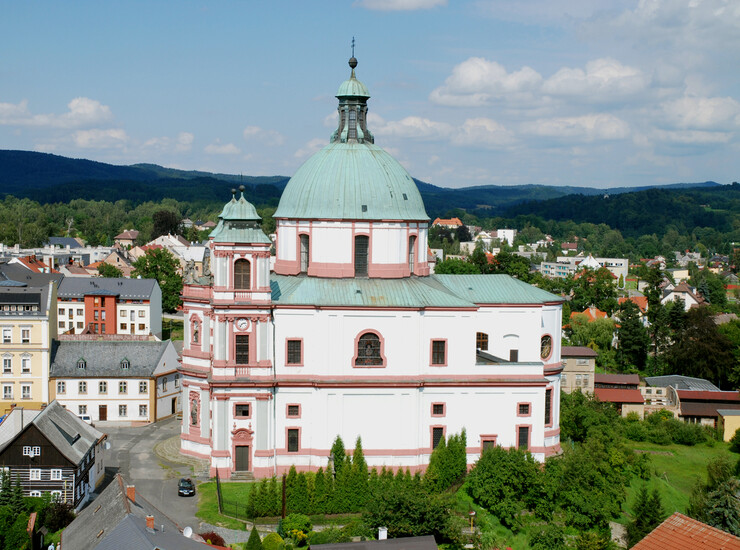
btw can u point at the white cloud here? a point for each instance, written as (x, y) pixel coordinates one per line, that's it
(399, 5)
(222, 149)
(267, 137)
(476, 81)
(82, 111)
(600, 126)
(100, 139)
(692, 137)
(483, 132)
(414, 127)
(310, 148)
(181, 144)
(602, 78)
(703, 113)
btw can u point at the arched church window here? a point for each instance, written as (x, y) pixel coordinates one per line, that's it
(362, 247)
(304, 253)
(368, 350)
(412, 253)
(242, 274)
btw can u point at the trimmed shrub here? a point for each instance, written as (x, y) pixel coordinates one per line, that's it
(273, 541)
(293, 522)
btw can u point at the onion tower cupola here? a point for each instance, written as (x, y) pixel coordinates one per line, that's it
(351, 210)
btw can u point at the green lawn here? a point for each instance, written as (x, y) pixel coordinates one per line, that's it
(676, 469)
(234, 494)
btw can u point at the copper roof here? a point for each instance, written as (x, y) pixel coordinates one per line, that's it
(680, 532)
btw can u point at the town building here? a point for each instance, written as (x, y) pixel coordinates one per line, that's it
(351, 336)
(133, 382)
(52, 451)
(110, 306)
(622, 390)
(680, 532)
(569, 265)
(682, 291)
(579, 365)
(126, 238)
(27, 329)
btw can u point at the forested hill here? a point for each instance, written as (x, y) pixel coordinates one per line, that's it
(653, 211)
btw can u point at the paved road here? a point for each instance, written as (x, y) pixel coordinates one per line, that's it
(132, 453)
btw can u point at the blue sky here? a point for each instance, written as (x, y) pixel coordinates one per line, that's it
(599, 93)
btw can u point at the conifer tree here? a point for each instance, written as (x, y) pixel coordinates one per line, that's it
(359, 476)
(6, 488)
(318, 504)
(274, 497)
(17, 502)
(254, 542)
(339, 455)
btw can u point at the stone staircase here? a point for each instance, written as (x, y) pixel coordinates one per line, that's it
(242, 476)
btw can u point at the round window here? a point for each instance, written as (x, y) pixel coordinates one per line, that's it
(546, 346)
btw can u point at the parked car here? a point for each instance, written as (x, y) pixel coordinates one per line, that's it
(86, 418)
(186, 488)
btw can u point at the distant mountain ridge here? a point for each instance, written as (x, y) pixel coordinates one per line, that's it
(52, 178)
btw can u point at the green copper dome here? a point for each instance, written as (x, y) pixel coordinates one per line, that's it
(352, 178)
(239, 222)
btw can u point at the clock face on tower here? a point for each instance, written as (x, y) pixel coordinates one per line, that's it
(242, 324)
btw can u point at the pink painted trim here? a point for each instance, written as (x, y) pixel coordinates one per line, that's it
(552, 433)
(529, 437)
(383, 361)
(431, 436)
(300, 449)
(196, 353)
(241, 438)
(196, 321)
(370, 308)
(233, 409)
(431, 352)
(486, 438)
(220, 454)
(266, 396)
(194, 453)
(300, 363)
(444, 410)
(287, 406)
(195, 438)
(331, 270)
(552, 346)
(529, 408)
(263, 453)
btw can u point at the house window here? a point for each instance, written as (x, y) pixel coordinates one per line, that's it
(95, 315)
(56, 496)
(7, 365)
(362, 247)
(125, 364)
(481, 341)
(142, 313)
(295, 355)
(142, 411)
(103, 387)
(123, 314)
(81, 364)
(368, 350)
(80, 324)
(31, 451)
(488, 443)
(438, 434)
(61, 324)
(522, 437)
(242, 274)
(56, 474)
(579, 380)
(293, 440)
(122, 411)
(514, 356)
(438, 409)
(26, 336)
(585, 380)
(241, 411)
(34, 474)
(61, 387)
(177, 380)
(34, 494)
(304, 239)
(82, 387)
(582, 362)
(25, 391)
(563, 379)
(439, 352)
(294, 411)
(25, 365)
(79, 312)
(122, 387)
(142, 326)
(242, 349)
(523, 409)
(81, 409)
(7, 391)
(142, 387)
(412, 253)
(7, 335)
(548, 407)
(164, 384)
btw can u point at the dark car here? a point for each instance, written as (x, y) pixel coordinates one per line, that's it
(186, 488)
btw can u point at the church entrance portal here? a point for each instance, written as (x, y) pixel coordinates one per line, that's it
(241, 459)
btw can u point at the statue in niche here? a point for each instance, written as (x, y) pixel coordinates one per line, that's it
(194, 412)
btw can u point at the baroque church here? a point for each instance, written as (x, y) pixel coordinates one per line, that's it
(350, 335)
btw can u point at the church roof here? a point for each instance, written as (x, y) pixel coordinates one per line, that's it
(239, 222)
(445, 291)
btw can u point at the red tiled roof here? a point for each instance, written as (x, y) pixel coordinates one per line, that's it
(128, 234)
(709, 395)
(626, 379)
(577, 351)
(611, 395)
(640, 301)
(705, 409)
(569, 246)
(451, 222)
(592, 313)
(680, 532)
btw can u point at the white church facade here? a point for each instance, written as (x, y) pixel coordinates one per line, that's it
(350, 335)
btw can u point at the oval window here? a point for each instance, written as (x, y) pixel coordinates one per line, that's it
(546, 346)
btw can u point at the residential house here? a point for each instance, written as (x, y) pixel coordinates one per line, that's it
(118, 260)
(593, 313)
(404, 543)
(701, 407)
(579, 365)
(642, 305)
(506, 235)
(120, 517)
(728, 422)
(622, 390)
(27, 327)
(127, 238)
(110, 306)
(680, 532)
(452, 223)
(569, 265)
(121, 381)
(52, 451)
(32, 263)
(684, 292)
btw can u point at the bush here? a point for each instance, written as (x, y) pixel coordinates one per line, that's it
(273, 541)
(689, 434)
(549, 537)
(332, 535)
(660, 436)
(735, 442)
(211, 537)
(636, 431)
(293, 522)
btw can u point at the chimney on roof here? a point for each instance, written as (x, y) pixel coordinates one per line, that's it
(150, 524)
(131, 493)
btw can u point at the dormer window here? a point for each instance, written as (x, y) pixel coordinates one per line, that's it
(81, 364)
(125, 364)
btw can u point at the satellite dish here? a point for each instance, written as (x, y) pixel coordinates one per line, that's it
(188, 532)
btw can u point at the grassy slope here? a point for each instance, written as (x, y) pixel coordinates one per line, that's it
(231, 493)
